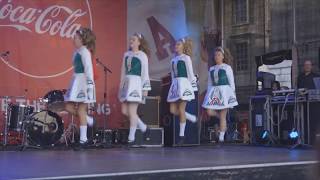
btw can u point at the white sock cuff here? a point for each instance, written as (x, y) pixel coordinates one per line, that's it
(182, 128)
(191, 117)
(89, 120)
(132, 133)
(141, 125)
(83, 133)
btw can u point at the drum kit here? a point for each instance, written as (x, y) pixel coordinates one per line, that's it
(40, 128)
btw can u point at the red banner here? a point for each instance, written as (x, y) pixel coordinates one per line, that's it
(38, 35)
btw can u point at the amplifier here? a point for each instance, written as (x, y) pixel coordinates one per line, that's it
(156, 137)
(149, 112)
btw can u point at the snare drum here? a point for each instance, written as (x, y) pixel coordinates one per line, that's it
(55, 100)
(17, 114)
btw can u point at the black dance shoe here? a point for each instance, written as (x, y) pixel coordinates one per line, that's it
(147, 135)
(81, 146)
(181, 141)
(132, 144)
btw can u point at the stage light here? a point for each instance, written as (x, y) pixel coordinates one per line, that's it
(266, 138)
(265, 134)
(293, 134)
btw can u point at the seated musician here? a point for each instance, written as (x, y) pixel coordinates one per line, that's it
(276, 86)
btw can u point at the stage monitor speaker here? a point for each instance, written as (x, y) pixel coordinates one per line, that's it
(150, 111)
(171, 124)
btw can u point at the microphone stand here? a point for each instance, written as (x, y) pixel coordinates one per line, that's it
(105, 143)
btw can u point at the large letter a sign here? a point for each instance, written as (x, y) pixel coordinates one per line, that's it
(162, 38)
(161, 23)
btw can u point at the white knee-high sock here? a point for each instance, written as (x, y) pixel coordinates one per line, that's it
(191, 117)
(89, 120)
(83, 134)
(132, 134)
(182, 128)
(221, 136)
(142, 126)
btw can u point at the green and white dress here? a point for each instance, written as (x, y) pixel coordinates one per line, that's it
(134, 77)
(221, 88)
(82, 86)
(184, 82)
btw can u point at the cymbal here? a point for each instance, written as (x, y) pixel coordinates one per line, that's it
(56, 106)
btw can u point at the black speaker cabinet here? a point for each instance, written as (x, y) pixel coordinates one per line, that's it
(171, 124)
(150, 111)
(259, 117)
(156, 87)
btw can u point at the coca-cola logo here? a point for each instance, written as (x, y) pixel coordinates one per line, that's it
(43, 32)
(53, 19)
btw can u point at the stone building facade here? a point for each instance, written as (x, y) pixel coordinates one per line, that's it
(255, 27)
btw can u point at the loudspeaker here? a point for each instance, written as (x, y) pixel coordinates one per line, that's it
(171, 124)
(150, 111)
(259, 116)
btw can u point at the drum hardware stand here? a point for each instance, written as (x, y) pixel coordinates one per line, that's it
(105, 143)
(5, 56)
(236, 134)
(70, 131)
(6, 121)
(25, 126)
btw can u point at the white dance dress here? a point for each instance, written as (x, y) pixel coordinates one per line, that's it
(184, 82)
(82, 86)
(134, 77)
(221, 88)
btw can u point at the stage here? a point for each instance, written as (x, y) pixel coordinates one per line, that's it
(203, 162)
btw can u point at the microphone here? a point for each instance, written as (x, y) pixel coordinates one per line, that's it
(98, 61)
(104, 66)
(5, 54)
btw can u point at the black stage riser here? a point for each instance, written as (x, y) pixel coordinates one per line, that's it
(290, 172)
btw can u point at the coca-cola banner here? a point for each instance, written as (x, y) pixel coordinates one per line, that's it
(38, 35)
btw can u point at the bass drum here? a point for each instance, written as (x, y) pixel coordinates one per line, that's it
(45, 128)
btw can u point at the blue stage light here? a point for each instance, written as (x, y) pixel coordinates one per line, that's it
(264, 134)
(293, 134)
